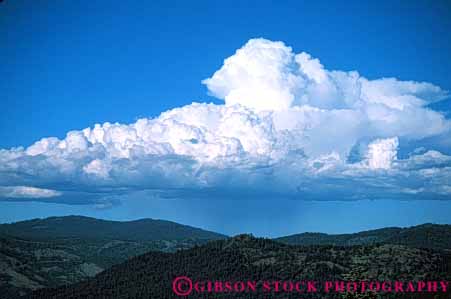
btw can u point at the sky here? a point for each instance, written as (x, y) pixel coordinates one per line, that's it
(269, 117)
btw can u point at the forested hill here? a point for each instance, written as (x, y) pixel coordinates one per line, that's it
(421, 236)
(86, 228)
(48, 253)
(56, 251)
(245, 258)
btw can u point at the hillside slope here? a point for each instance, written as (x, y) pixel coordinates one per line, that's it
(422, 236)
(92, 228)
(245, 258)
(63, 250)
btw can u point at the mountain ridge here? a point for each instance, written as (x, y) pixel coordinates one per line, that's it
(427, 235)
(75, 226)
(246, 258)
(56, 251)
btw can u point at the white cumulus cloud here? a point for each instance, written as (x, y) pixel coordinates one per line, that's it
(288, 128)
(382, 152)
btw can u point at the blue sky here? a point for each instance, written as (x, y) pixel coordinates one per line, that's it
(68, 65)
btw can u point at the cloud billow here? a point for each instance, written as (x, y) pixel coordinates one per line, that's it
(288, 128)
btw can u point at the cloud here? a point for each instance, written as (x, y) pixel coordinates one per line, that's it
(27, 192)
(382, 152)
(288, 128)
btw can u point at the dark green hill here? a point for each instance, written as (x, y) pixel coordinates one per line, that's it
(421, 236)
(91, 228)
(245, 258)
(58, 251)
(62, 250)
